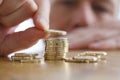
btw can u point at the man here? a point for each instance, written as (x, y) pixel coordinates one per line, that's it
(89, 23)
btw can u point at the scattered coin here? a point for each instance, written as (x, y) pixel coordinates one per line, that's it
(87, 57)
(98, 54)
(31, 61)
(24, 54)
(25, 58)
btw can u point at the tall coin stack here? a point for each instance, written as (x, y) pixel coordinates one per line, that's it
(56, 48)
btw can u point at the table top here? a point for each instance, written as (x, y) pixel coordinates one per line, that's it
(60, 70)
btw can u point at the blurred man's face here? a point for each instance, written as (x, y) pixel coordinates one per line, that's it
(70, 14)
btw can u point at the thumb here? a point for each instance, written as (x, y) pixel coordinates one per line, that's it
(41, 18)
(21, 40)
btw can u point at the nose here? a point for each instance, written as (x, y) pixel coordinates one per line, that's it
(84, 15)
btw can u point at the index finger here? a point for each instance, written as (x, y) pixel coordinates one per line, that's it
(1, 1)
(79, 38)
(41, 18)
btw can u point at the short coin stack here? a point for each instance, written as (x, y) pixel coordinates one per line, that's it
(25, 58)
(87, 57)
(56, 48)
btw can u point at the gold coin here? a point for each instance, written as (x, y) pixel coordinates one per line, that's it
(25, 55)
(79, 60)
(14, 58)
(56, 32)
(30, 61)
(56, 40)
(86, 58)
(93, 53)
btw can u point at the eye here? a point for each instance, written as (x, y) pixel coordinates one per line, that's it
(69, 3)
(100, 9)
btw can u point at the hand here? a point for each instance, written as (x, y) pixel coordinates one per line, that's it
(13, 12)
(90, 37)
(110, 43)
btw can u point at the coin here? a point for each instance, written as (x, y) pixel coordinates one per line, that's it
(56, 32)
(14, 58)
(93, 53)
(24, 58)
(24, 54)
(30, 61)
(86, 58)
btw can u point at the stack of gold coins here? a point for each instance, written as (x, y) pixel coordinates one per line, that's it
(56, 48)
(25, 58)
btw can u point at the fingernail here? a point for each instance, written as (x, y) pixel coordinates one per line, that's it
(42, 23)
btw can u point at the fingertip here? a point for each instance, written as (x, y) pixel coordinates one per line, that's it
(74, 46)
(96, 46)
(1, 2)
(41, 23)
(41, 17)
(71, 47)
